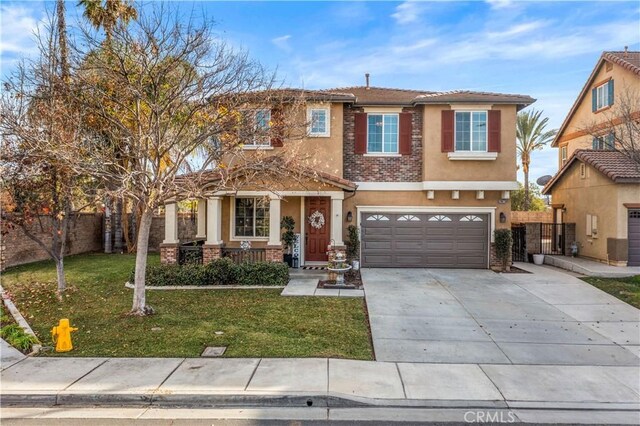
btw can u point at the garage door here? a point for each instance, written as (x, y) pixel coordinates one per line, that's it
(634, 237)
(420, 240)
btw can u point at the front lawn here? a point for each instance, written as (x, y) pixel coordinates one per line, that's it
(626, 289)
(255, 323)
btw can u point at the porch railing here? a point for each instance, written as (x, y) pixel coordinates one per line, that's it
(239, 255)
(190, 253)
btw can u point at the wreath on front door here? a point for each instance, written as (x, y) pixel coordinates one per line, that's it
(316, 220)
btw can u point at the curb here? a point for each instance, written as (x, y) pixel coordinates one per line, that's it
(207, 287)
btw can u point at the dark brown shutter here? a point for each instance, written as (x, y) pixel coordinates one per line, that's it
(360, 133)
(405, 133)
(494, 131)
(277, 127)
(447, 130)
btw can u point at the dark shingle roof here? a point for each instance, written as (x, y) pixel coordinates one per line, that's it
(388, 96)
(613, 164)
(629, 60)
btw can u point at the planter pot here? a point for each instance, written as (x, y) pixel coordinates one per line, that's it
(538, 259)
(288, 259)
(355, 264)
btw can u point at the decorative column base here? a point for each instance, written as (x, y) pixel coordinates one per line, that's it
(169, 254)
(211, 252)
(495, 263)
(273, 253)
(3, 259)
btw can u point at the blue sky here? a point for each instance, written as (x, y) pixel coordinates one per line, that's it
(543, 49)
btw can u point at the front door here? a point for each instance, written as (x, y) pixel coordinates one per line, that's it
(317, 226)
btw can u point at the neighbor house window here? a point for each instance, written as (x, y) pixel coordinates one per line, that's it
(602, 96)
(251, 217)
(471, 131)
(319, 122)
(382, 133)
(255, 127)
(604, 142)
(563, 154)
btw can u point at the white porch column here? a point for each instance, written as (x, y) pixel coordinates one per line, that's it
(170, 223)
(274, 221)
(214, 221)
(202, 219)
(336, 219)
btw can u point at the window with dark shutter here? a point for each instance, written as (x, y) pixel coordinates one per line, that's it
(447, 130)
(360, 131)
(494, 131)
(405, 133)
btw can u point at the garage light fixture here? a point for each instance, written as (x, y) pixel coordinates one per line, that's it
(503, 217)
(349, 216)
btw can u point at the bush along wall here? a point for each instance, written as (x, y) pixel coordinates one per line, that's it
(219, 272)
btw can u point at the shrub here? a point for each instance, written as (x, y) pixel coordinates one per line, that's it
(503, 243)
(353, 245)
(219, 272)
(16, 337)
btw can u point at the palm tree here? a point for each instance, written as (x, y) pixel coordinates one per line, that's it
(532, 135)
(106, 14)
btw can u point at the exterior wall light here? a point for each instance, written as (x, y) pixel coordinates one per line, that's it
(349, 216)
(503, 217)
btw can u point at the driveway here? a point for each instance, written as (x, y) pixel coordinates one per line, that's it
(481, 317)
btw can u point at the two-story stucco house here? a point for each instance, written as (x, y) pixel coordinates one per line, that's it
(597, 186)
(424, 175)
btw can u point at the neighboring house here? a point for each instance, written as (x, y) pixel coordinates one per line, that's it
(424, 175)
(597, 187)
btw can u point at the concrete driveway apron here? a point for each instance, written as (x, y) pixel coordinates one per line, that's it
(481, 317)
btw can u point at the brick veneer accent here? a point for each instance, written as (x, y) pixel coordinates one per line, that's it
(169, 254)
(3, 260)
(494, 262)
(273, 253)
(361, 168)
(211, 252)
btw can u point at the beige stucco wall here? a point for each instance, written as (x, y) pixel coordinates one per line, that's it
(419, 199)
(438, 167)
(597, 195)
(573, 137)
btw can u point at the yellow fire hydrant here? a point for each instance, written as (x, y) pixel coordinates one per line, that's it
(61, 335)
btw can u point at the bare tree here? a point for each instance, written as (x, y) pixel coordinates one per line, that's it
(619, 128)
(177, 105)
(40, 190)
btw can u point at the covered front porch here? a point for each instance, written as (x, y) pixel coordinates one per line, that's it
(245, 226)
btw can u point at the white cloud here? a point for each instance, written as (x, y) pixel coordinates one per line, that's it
(17, 27)
(518, 29)
(500, 4)
(282, 42)
(407, 12)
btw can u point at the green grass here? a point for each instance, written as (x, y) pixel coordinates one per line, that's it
(626, 289)
(255, 323)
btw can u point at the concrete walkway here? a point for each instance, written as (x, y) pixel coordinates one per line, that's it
(41, 382)
(590, 267)
(480, 317)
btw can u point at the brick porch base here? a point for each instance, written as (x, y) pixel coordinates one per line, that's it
(169, 254)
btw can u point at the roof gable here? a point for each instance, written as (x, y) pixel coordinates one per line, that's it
(627, 60)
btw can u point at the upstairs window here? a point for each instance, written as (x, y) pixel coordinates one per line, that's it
(254, 131)
(602, 96)
(604, 142)
(318, 122)
(471, 131)
(563, 154)
(382, 133)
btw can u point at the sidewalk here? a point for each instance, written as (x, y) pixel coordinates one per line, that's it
(589, 267)
(316, 382)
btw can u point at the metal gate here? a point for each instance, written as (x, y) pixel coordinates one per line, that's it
(519, 247)
(552, 238)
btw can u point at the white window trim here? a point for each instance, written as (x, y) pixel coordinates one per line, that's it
(327, 132)
(473, 155)
(455, 132)
(605, 96)
(232, 229)
(384, 153)
(253, 145)
(380, 154)
(563, 154)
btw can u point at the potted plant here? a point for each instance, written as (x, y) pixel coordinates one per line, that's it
(353, 247)
(503, 242)
(288, 238)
